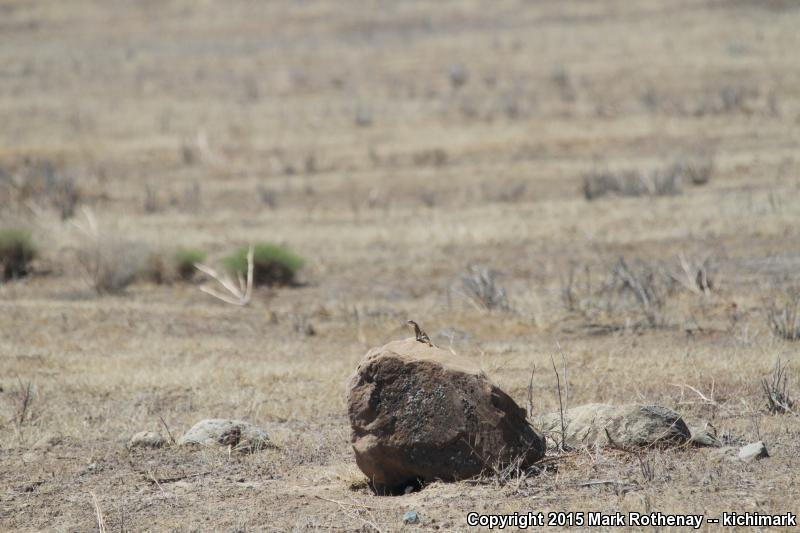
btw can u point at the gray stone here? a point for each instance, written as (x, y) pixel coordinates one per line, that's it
(239, 435)
(623, 426)
(753, 451)
(147, 439)
(411, 517)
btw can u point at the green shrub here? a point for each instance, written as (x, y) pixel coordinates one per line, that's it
(16, 253)
(272, 264)
(186, 259)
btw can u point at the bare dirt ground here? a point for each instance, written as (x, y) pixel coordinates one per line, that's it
(392, 145)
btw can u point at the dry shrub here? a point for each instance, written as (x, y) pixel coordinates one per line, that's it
(697, 169)
(156, 268)
(267, 197)
(481, 287)
(23, 398)
(42, 182)
(434, 157)
(458, 74)
(668, 181)
(629, 294)
(111, 264)
(784, 317)
(505, 192)
(631, 183)
(776, 390)
(696, 275)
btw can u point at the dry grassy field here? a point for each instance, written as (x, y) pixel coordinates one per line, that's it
(399, 148)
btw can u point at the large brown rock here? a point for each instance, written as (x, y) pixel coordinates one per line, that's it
(420, 414)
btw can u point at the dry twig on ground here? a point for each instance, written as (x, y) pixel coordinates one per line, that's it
(240, 294)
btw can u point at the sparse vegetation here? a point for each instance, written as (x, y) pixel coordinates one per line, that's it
(481, 286)
(16, 253)
(267, 197)
(631, 183)
(630, 294)
(667, 181)
(274, 265)
(698, 276)
(151, 203)
(156, 268)
(697, 169)
(23, 398)
(776, 390)
(784, 316)
(111, 264)
(44, 183)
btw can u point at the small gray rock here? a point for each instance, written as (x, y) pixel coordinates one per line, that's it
(147, 439)
(239, 435)
(753, 451)
(411, 517)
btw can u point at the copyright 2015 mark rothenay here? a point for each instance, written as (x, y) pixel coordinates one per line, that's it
(631, 519)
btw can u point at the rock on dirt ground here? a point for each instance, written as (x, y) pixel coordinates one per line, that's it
(748, 453)
(617, 426)
(240, 435)
(419, 413)
(753, 451)
(147, 439)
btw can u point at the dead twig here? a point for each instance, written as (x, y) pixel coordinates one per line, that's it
(237, 295)
(695, 276)
(560, 406)
(347, 508)
(599, 482)
(337, 502)
(101, 521)
(166, 428)
(647, 467)
(702, 396)
(25, 399)
(530, 392)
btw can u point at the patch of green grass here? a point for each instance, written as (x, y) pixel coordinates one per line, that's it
(185, 260)
(16, 253)
(272, 264)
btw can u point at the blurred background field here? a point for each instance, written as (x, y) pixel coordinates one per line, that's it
(617, 178)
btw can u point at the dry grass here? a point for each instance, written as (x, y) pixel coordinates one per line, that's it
(784, 316)
(776, 390)
(390, 149)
